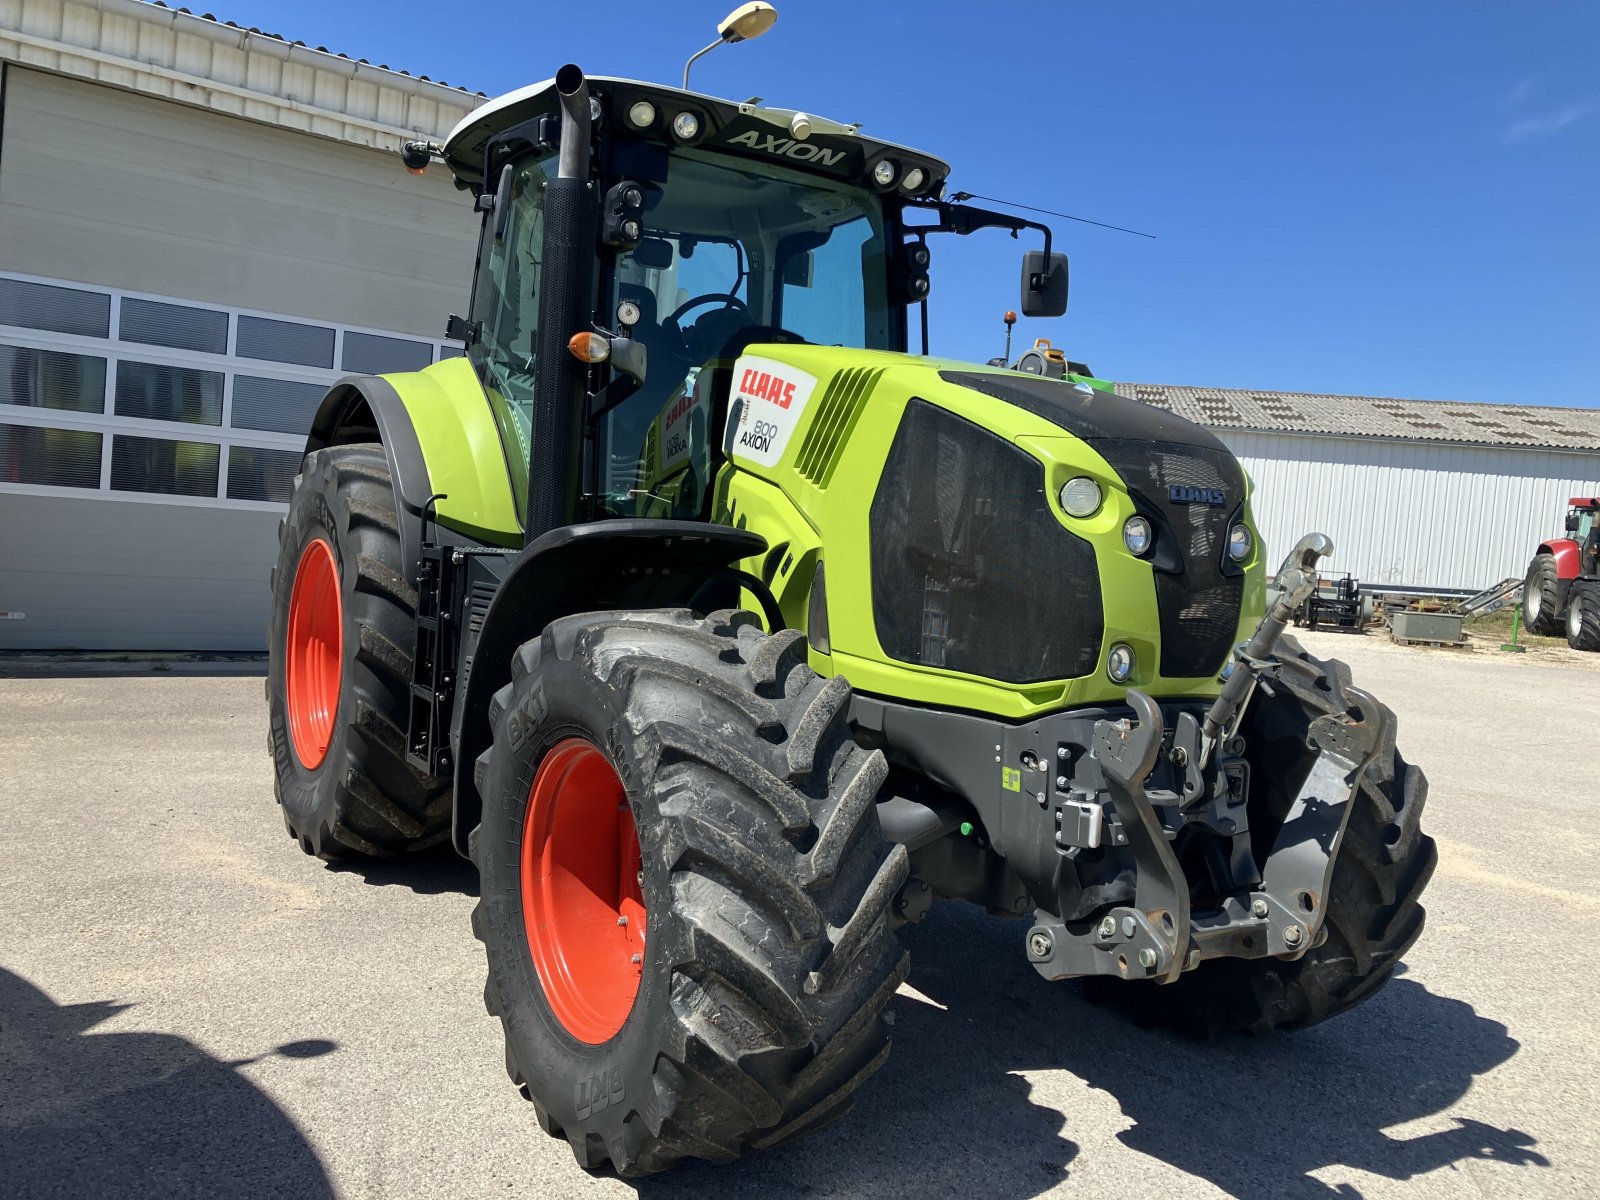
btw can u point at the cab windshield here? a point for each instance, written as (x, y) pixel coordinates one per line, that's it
(733, 254)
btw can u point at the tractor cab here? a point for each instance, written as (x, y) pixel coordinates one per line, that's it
(1581, 531)
(722, 226)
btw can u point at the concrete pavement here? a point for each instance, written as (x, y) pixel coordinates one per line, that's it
(189, 1005)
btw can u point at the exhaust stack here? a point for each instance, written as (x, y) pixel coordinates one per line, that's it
(566, 306)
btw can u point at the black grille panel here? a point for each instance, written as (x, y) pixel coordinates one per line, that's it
(1199, 603)
(971, 570)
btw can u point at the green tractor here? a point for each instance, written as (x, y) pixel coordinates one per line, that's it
(725, 635)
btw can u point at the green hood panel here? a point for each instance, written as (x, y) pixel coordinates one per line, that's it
(809, 439)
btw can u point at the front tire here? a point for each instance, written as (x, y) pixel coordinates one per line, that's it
(339, 677)
(708, 755)
(1544, 597)
(1374, 911)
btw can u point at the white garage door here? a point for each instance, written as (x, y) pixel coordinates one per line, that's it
(177, 290)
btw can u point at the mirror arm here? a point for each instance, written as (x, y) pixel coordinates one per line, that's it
(963, 219)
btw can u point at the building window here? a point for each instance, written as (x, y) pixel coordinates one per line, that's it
(256, 474)
(275, 405)
(161, 393)
(59, 309)
(52, 379)
(285, 342)
(144, 464)
(176, 325)
(373, 355)
(49, 457)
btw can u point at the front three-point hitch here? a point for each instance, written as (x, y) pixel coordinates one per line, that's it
(1279, 904)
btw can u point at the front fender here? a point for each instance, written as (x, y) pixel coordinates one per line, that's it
(441, 440)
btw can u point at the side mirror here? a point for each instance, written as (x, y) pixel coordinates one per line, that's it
(798, 269)
(1572, 522)
(655, 253)
(1044, 284)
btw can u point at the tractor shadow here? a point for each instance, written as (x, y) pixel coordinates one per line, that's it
(434, 872)
(952, 1115)
(137, 1114)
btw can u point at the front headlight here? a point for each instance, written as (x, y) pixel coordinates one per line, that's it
(1136, 535)
(1239, 543)
(1081, 496)
(1119, 663)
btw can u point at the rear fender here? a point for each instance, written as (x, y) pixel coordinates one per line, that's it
(1565, 552)
(616, 564)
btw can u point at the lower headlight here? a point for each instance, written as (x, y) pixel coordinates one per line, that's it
(1239, 543)
(1119, 663)
(1136, 535)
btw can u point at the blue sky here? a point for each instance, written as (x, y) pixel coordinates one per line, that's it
(1380, 198)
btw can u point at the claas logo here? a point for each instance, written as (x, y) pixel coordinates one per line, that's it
(764, 386)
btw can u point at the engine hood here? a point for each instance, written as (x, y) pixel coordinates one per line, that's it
(1086, 413)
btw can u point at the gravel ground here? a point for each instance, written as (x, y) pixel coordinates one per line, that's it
(188, 1005)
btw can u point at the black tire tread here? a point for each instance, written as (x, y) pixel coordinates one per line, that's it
(1585, 598)
(1548, 618)
(382, 806)
(767, 820)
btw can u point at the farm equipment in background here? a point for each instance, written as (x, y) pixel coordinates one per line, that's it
(1335, 602)
(1561, 591)
(1492, 599)
(724, 646)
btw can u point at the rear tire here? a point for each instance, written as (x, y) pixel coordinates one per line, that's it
(768, 960)
(1374, 910)
(349, 790)
(1544, 597)
(1583, 615)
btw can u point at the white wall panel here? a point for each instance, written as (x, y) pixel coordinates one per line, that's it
(111, 188)
(97, 574)
(1412, 513)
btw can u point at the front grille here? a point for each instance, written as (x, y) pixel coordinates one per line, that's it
(1198, 603)
(971, 570)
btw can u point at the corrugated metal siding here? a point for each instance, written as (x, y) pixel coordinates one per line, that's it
(200, 61)
(111, 575)
(1411, 513)
(117, 189)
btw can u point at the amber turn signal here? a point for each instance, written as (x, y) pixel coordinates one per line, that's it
(589, 347)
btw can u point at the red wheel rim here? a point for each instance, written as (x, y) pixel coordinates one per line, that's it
(582, 904)
(315, 659)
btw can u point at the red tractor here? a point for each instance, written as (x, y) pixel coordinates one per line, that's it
(1563, 582)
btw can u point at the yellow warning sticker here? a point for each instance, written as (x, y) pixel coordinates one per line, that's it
(1011, 779)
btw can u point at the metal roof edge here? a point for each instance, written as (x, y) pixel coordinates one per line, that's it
(1476, 422)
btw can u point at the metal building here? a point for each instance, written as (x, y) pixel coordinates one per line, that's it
(1416, 494)
(201, 227)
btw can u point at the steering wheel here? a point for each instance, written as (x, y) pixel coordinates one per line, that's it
(729, 300)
